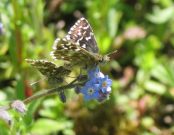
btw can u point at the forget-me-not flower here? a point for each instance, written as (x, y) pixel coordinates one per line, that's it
(105, 83)
(90, 91)
(97, 87)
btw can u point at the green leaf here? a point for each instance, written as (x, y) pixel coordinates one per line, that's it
(31, 109)
(153, 43)
(147, 122)
(113, 21)
(155, 87)
(160, 16)
(20, 89)
(105, 42)
(164, 73)
(47, 126)
(52, 108)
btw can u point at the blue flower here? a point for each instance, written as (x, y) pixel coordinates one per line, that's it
(95, 73)
(90, 91)
(97, 87)
(105, 83)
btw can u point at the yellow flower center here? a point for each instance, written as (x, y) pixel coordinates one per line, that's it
(104, 84)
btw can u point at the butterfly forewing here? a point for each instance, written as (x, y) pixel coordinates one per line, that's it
(82, 34)
(53, 73)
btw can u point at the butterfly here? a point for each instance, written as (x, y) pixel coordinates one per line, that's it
(53, 73)
(79, 46)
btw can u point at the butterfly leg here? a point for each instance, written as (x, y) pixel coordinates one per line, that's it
(62, 96)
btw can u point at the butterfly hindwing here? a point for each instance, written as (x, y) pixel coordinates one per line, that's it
(53, 73)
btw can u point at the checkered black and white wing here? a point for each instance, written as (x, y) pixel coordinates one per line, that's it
(82, 34)
(53, 73)
(68, 51)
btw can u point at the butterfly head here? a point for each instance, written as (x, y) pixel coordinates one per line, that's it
(104, 59)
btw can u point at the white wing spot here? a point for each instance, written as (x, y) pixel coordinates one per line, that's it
(86, 27)
(91, 33)
(55, 43)
(68, 37)
(79, 33)
(80, 27)
(52, 53)
(81, 19)
(84, 46)
(77, 49)
(88, 38)
(64, 39)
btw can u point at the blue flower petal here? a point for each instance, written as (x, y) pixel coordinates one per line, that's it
(95, 73)
(105, 82)
(109, 82)
(106, 90)
(90, 91)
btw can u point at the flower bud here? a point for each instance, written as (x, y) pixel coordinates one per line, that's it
(19, 106)
(4, 115)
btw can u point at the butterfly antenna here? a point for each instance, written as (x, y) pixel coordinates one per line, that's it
(111, 53)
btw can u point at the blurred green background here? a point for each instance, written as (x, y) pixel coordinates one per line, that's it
(142, 99)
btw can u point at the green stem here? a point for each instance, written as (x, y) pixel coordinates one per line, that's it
(47, 93)
(17, 30)
(52, 91)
